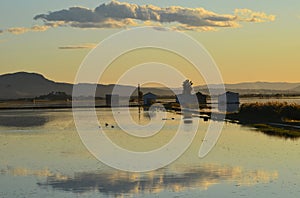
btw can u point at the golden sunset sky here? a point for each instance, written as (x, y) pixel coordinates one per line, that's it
(250, 40)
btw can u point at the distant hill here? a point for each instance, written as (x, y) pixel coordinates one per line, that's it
(258, 86)
(31, 85)
(247, 88)
(296, 89)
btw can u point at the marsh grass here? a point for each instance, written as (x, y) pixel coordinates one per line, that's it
(269, 112)
(277, 131)
(286, 116)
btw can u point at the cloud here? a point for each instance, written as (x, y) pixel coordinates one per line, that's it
(55, 24)
(83, 46)
(108, 23)
(193, 28)
(121, 14)
(22, 30)
(251, 16)
(38, 28)
(17, 30)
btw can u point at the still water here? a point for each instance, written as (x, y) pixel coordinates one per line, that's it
(41, 155)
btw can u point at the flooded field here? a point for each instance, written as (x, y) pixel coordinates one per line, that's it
(42, 156)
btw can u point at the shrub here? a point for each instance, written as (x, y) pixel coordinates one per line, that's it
(270, 111)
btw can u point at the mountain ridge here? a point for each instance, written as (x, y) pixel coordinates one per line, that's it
(29, 85)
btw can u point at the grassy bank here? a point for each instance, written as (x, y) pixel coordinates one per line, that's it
(262, 116)
(277, 131)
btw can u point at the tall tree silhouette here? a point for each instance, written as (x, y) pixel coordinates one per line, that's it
(187, 87)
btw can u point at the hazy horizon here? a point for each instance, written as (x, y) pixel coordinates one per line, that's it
(149, 85)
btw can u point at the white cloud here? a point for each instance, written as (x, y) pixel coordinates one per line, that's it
(82, 46)
(117, 15)
(17, 30)
(192, 28)
(22, 30)
(251, 16)
(38, 28)
(121, 15)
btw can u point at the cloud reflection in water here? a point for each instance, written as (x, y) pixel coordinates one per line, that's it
(117, 182)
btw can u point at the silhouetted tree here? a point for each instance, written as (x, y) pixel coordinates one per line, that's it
(187, 87)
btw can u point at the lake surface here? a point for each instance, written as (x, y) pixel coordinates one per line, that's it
(41, 155)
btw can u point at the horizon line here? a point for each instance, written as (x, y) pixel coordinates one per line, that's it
(225, 83)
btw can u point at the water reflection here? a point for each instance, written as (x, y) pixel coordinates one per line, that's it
(230, 107)
(20, 171)
(23, 120)
(117, 183)
(149, 115)
(152, 111)
(285, 132)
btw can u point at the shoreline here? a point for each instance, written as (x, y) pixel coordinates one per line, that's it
(61, 107)
(275, 127)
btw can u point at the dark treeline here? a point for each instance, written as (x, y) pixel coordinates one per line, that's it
(55, 96)
(269, 112)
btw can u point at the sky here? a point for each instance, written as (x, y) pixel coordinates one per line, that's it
(249, 40)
